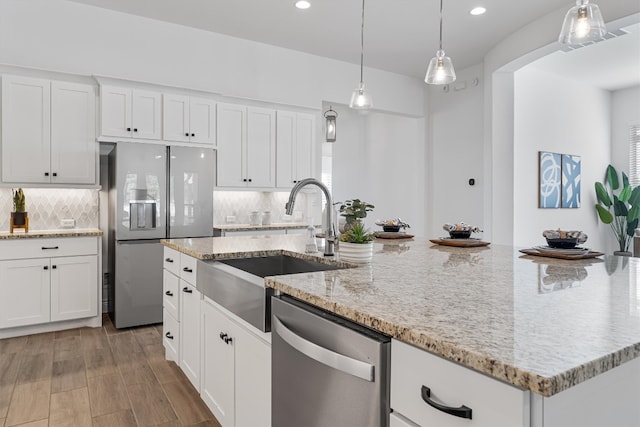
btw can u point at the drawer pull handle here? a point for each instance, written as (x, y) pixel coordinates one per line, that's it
(187, 290)
(222, 336)
(169, 293)
(187, 270)
(168, 260)
(228, 340)
(44, 248)
(462, 411)
(168, 335)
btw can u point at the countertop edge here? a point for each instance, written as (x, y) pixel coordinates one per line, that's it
(39, 234)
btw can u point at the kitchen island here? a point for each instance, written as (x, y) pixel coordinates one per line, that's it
(540, 324)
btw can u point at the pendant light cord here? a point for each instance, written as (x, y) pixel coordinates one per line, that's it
(362, 45)
(440, 24)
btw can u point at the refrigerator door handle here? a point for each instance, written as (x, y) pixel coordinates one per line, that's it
(330, 358)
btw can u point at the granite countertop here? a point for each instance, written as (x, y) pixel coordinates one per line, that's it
(249, 227)
(540, 324)
(38, 234)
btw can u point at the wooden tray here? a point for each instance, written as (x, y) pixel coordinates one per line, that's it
(460, 243)
(585, 255)
(393, 235)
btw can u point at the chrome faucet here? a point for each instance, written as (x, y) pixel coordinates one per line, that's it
(329, 232)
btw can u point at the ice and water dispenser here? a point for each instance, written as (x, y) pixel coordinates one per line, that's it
(142, 211)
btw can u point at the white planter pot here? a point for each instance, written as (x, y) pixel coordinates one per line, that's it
(356, 252)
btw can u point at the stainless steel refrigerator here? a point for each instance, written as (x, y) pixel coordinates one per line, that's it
(155, 192)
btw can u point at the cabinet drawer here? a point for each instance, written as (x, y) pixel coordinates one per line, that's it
(188, 268)
(171, 294)
(492, 403)
(171, 337)
(171, 260)
(45, 248)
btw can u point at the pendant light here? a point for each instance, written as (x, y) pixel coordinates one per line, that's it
(360, 98)
(440, 69)
(582, 23)
(330, 124)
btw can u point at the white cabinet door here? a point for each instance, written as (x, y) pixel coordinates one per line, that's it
(24, 292)
(73, 134)
(26, 130)
(146, 116)
(74, 293)
(230, 136)
(286, 138)
(253, 379)
(171, 337)
(202, 121)
(190, 332)
(261, 147)
(218, 367)
(175, 119)
(171, 296)
(115, 111)
(304, 148)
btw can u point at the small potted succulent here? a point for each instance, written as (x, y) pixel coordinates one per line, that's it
(19, 217)
(354, 211)
(356, 244)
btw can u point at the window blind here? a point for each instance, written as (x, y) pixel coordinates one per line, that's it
(634, 155)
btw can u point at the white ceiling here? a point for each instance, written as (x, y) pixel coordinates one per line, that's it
(400, 35)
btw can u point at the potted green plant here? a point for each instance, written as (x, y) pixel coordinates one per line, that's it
(621, 211)
(354, 211)
(19, 215)
(356, 244)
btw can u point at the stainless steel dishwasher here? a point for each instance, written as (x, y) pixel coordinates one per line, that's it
(326, 371)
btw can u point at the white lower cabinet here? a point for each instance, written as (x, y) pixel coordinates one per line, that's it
(73, 290)
(236, 371)
(452, 387)
(171, 337)
(24, 292)
(190, 300)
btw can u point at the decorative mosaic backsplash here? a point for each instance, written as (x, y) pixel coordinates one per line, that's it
(241, 203)
(47, 207)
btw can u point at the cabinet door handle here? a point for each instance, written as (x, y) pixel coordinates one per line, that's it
(168, 335)
(186, 134)
(249, 179)
(244, 180)
(128, 129)
(46, 174)
(169, 293)
(53, 267)
(193, 134)
(187, 270)
(187, 290)
(168, 260)
(46, 267)
(44, 248)
(135, 129)
(55, 174)
(228, 340)
(462, 411)
(222, 336)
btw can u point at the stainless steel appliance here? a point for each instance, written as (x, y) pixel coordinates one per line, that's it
(155, 192)
(326, 371)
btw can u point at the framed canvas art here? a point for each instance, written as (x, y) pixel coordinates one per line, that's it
(549, 180)
(571, 177)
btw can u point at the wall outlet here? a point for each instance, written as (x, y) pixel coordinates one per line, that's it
(68, 223)
(230, 219)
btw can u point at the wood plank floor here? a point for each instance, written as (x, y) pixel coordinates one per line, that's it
(95, 376)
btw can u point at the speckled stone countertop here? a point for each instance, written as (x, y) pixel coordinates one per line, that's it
(541, 324)
(38, 234)
(249, 227)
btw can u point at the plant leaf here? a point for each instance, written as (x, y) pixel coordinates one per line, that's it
(602, 194)
(619, 208)
(634, 213)
(631, 227)
(625, 194)
(634, 199)
(604, 214)
(625, 179)
(612, 178)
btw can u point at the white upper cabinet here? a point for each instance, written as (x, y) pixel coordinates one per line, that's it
(246, 146)
(130, 113)
(48, 132)
(295, 147)
(189, 119)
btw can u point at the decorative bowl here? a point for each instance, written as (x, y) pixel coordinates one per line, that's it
(568, 243)
(391, 228)
(464, 234)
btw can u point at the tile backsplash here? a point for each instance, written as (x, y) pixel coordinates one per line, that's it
(240, 203)
(47, 207)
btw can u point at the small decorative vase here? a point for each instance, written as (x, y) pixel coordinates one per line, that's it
(622, 253)
(360, 253)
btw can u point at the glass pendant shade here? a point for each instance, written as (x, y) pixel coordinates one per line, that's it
(330, 124)
(440, 70)
(360, 99)
(582, 23)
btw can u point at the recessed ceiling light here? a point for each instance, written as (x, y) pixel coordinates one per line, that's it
(303, 4)
(477, 10)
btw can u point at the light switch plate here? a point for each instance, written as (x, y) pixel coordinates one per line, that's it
(68, 223)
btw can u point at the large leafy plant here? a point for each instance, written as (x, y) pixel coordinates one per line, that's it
(621, 211)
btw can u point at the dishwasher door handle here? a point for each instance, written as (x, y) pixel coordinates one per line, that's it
(330, 358)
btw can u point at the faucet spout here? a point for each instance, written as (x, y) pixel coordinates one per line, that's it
(329, 232)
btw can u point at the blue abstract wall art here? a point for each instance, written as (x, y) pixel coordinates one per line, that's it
(571, 177)
(549, 179)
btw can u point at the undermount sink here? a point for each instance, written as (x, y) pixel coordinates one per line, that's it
(277, 265)
(238, 284)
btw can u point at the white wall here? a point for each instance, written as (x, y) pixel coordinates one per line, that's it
(380, 158)
(63, 36)
(455, 151)
(555, 113)
(625, 111)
